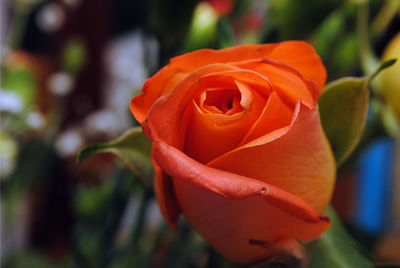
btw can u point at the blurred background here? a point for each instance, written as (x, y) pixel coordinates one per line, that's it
(68, 71)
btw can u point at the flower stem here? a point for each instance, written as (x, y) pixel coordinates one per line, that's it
(369, 62)
(336, 248)
(385, 15)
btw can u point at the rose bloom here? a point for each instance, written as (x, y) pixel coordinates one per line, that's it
(238, 147)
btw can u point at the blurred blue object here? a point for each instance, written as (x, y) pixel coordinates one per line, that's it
(374, 184)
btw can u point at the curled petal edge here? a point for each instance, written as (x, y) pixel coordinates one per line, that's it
(165, 195)
(312, 86)
(178, 69)
(229, 185)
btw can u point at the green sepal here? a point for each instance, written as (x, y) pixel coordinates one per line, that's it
(343, 107)
(132, 147)
(336, 249)
(343, 110)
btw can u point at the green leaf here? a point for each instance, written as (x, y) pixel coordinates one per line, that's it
(343, 109)
(383, 66)
(133, 148)
(336, 249)
(328, 32)
(225, 32)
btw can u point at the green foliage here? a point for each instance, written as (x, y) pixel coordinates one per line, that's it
(21, 81)
(295, 20)
(73, 55)
(170, 21)
(383, 66)
(387, 116)
(133, 148)
(390, 121)
(336, 249)
(25, 259)
(225, 32)
(328, 33)
(343, 56)
(100, 211)
(27, 173)
(92, 201)
(343, 109)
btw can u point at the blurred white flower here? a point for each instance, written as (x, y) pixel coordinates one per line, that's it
(60, 83)
(35, 120)
(128, 60)
(102, 122)
(51, 17)
(10, 102)
(69, 142)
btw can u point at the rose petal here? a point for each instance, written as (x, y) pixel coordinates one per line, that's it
(257, 82)
(288, 83)
(217, 204)
(275, 115)
(170, 114)
(207, 133)
(159, 84)
(298, 54)
(218, 100)
(165, 195)
(297, 159)
(301, 56)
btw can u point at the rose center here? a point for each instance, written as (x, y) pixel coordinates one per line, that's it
(225, 101)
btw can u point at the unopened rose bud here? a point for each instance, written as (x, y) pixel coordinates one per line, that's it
(390, 78)
(68, 142)
(203, 27)
(239, 149)
(60, 83)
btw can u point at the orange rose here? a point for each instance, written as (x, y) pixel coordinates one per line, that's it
(238, 146)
